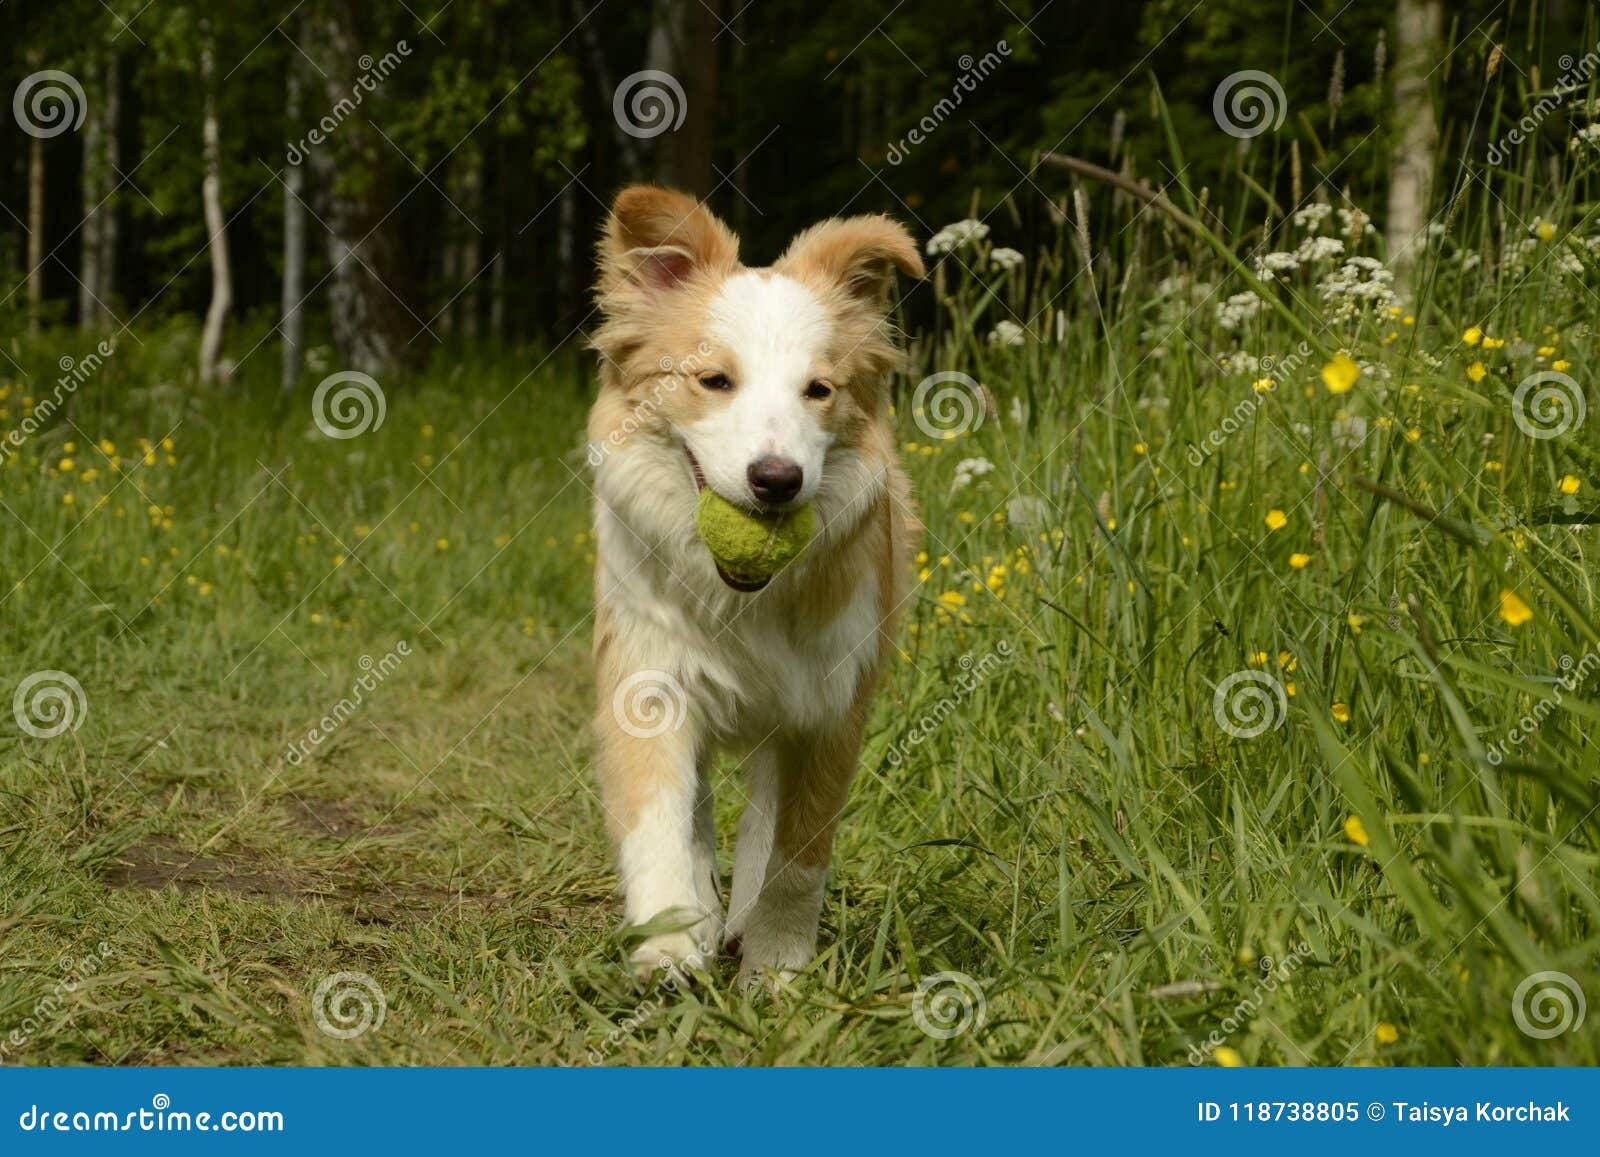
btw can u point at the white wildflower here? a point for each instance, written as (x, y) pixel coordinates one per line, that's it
(969, 468)
(957, 236)
(1355, 223)
(1237, 310)
(1315, 249)
(1007, 333)
(1027, 511)
(1361, 283)
(1312, 216)
(1005, 259)
(1269, 265)
(1349, 432)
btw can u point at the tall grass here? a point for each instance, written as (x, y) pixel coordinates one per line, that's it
(1356, 854)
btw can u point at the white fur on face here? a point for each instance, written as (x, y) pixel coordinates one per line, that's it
(777, 331)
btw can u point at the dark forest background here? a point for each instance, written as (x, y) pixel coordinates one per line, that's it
(458, 202)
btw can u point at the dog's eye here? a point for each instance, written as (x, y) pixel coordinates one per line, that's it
(818, 389)
(715, 381)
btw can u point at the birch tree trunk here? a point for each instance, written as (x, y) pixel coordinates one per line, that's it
(292, 323)
(361, 308)
(472, 243)
(1416, 138)
(91, 185)
(216, 224)
(683, 45)
(35, 233)
(110, 228)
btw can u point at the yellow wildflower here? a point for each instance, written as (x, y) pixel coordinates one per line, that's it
(1477, 371)
(1277, 519)
(1513, 610)
(1570, 484)
(1227, 1057)
(1473, 336)
(1356, 830)
(1340, 374)
(1387, 1033)
(1341, 712)
(1299, 561)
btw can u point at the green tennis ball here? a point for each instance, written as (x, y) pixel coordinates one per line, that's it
(751, 548)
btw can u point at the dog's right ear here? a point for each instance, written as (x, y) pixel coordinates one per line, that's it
(656, 239)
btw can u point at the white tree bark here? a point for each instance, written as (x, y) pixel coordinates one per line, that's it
(216, 223)
(110, 229)
(35, 233)
(292, 324)
(92, 185)
(363, 326)
(1416, 137)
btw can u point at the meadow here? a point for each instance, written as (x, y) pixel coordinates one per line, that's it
(1244, 713)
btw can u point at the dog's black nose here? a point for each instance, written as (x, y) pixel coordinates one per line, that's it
(774, 479)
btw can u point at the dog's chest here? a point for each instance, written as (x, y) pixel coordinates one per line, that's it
(749, 664)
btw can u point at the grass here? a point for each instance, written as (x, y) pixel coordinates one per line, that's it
(1051, 802)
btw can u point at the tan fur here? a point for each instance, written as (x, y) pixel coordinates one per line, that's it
(662, 260)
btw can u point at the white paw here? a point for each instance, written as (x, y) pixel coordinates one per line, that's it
(772, 955)
(673, 955)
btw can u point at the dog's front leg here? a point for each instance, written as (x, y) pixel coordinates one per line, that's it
(813, 774)
(658, 801)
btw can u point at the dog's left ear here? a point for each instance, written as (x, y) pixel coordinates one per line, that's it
(859, 254)
(656, 239)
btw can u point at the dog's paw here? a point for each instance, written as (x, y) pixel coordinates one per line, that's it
(673, 957)
(773, 958)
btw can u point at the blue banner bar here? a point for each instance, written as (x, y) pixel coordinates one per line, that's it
(796, 1111)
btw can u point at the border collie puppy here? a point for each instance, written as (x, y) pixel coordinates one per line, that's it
(766, 384)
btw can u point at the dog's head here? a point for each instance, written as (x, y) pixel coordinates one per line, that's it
(758, 373)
